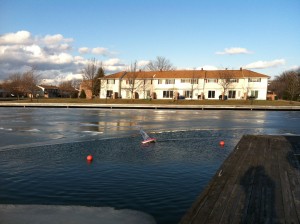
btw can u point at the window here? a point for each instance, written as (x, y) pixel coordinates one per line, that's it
(109, 93)
(194, 81)
(170, 81)
(231, 94)
(211, 80)
(185, 80)
(127, 94)
(254, 80)
(167, 94)
(211, 94)
(148, 94)
(188, 94)
(254, 93)
(110, 81)
(233, 80)
(129, 81)
(160, 81)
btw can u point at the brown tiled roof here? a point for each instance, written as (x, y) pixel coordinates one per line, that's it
(182, 74)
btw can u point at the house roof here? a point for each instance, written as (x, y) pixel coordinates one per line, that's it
(183, 74)
(48, 87)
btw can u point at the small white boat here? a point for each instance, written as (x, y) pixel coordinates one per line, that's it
(146, 137)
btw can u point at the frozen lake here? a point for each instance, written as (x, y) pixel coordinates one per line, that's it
(51, 125)
(43, 151)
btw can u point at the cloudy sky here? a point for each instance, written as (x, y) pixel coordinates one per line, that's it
(58, 37)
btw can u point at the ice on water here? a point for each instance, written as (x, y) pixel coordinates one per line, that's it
(48, 214)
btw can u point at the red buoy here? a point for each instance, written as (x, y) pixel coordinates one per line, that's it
(222, 143)
(89, 158)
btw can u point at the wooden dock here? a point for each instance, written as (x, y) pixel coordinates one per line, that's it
(258, 183)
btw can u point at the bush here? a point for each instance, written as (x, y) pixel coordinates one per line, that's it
(82, 94)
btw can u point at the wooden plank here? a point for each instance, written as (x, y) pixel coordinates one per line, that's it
(294, 177)
(237, 196)
(209, 197)
(259, 184)
(274, 206)
(287, 175)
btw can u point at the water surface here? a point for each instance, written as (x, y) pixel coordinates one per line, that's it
(43, 155)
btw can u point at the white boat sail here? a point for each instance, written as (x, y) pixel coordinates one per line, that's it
(146, 137)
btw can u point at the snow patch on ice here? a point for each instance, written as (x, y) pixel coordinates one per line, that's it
(46, 214)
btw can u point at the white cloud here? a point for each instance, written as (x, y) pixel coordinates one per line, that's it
(142, 63)
(112, 61)
(62, 58)
(50, 55)
(234, 50)
(20, 37)
(265, 64)
(208, 67)
(33, 50)
(295, 67)
(83, 50)
(100, 50)
(72, 76)
(55, 39)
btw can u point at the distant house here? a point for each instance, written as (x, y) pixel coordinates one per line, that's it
(48, 91)
(3, 93)
(185, 84)
(271, 95)
(86, 87)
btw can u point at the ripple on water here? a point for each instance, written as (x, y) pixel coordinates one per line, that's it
(162, 179)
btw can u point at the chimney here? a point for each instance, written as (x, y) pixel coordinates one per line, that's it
(241, 68)
(225, 68)
(140, 70)
(160, 70)
(201, 69)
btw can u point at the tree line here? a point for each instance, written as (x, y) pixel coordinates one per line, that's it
(287, 85)
(26, 85)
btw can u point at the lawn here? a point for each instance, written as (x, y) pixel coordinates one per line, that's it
(162, 102)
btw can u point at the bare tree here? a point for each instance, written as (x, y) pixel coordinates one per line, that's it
(225, 81)
(194, 83)
(131, 79)
(160, 64)
(287, 85)
(13, 85)
(29, 83)
(67, 89)
(76, 83)
(89, 74)
(143, 84)
(292, 87)
(278, 87)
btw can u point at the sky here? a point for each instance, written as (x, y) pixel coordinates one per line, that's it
(58, 37)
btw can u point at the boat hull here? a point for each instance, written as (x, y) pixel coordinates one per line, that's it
(149, 140)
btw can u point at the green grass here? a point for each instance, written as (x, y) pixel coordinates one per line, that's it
(162, 102)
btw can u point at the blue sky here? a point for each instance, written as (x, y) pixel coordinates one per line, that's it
(57, 37)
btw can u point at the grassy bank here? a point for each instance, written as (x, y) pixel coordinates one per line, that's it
(162, 102)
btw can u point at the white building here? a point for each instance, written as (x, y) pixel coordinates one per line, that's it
(188, 84)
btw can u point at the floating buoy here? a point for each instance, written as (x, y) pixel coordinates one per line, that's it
(222, 143)
(89, 158)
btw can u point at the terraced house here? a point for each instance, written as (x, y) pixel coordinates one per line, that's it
(185, 84)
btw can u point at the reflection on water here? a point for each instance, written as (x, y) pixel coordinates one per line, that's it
(161, 179)
(30, 125)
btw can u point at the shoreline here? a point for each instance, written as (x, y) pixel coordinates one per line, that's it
(152, 106)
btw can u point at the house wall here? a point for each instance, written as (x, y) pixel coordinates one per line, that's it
(242, 88)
